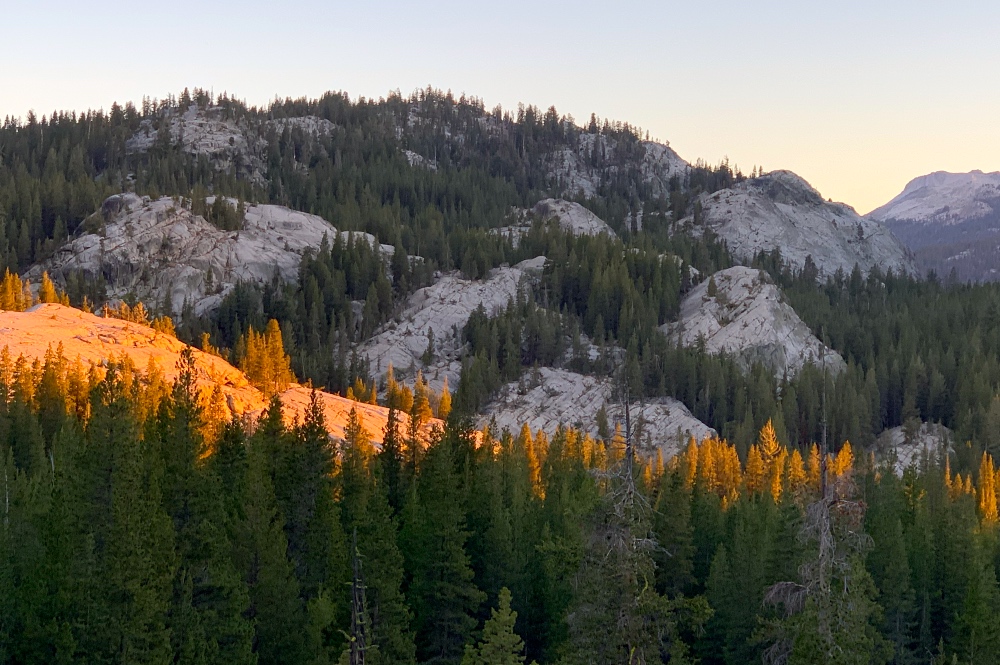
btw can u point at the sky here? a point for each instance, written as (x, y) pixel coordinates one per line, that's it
(856, 97)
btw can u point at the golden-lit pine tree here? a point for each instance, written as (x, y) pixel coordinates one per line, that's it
(573, 446)
(47, 291)
(215, 415)
(421, 409)
(137, 314)
(165, 325)
(756, 472)
(658, 467)
(814, 467)
(767, 441)
(773, 455)
(843, 462)
(265, 362)
(730, 475)
(796, 475)
(775, 474)
(689, 463)
(987, 490)
(539, 451)
(707, 477)
(444, 405)
(15, 295)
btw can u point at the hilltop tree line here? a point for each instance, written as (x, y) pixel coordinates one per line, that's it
(56, 170)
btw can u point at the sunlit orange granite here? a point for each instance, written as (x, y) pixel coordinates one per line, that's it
(96, 340)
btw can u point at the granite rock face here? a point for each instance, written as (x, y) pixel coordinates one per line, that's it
(232, 145)
(780, 210)
(581, 169)
(748, 319)
(152, 249)
(441, 309)
(96, 340)
(546, 398)
(572, 217)
(928, 441)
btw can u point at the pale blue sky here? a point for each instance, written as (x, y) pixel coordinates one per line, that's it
(857, 97)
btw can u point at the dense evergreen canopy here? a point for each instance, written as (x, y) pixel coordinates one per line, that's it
(139, 526)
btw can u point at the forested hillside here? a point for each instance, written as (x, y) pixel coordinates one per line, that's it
(133, 532)
(140, 527)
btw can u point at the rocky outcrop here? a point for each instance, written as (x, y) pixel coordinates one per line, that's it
(441, 309)
(418, 160)
(96, 340)
(581, 169)
(782, 211)
(229, 144)
(546, 398)
(572, 217)
(950, 221)
(747, 318)
(913, 446)
(155, 249)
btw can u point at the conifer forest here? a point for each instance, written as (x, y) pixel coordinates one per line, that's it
(144, 522)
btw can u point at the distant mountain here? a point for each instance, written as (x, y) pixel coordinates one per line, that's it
(780, 210)
(951, 221)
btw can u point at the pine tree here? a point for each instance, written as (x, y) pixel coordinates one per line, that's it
(261, 552)
(977, 631)
(442, 593)
(47, 291)
(138, 564)
(831, 614)
(304, 487)
(390, 459)
(499, 644)
(210, 598)
(673, 529)
(366, 513)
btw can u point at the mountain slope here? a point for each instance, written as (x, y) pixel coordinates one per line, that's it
(949, 221)
(780, 210)
(96, 340)
(943, 198)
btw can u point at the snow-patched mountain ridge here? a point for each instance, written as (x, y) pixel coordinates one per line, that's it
(748, 319)
(780, 210)
(944, 198)
(951, 222)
